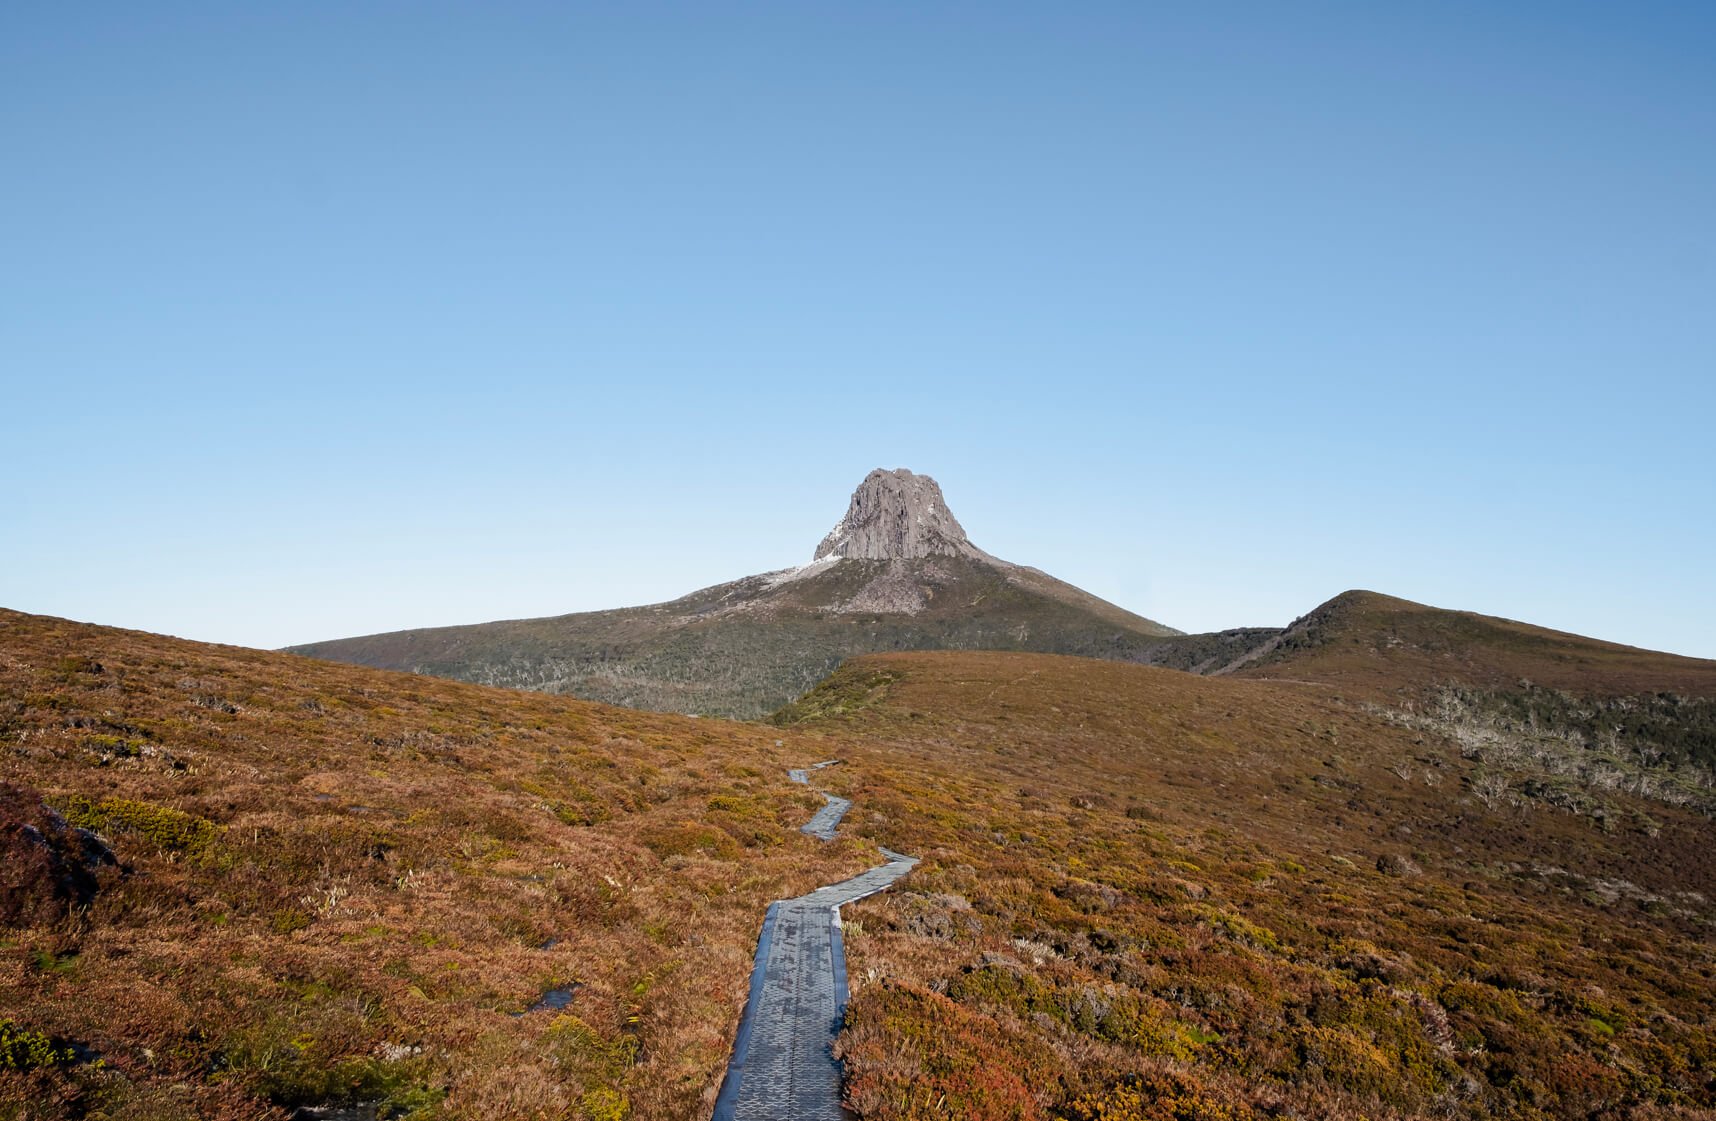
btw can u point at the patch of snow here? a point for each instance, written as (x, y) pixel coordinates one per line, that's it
(788, 575)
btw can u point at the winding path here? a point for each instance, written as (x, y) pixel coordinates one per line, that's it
(783, 1066)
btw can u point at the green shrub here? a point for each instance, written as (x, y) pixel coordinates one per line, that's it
(115, 745)
(749, 821)
(603, 1104)
(59, 965)
(173, 830)
(1344, 1059)
(288, 920)
(848, 690)
(22, 1049)
(579, 813)
(1243, 930)
(1001, 986)
(685, 838)
(1157, 1097)
(578, 1047)
(293, 1060)
(71, 665)
(1146, 1026)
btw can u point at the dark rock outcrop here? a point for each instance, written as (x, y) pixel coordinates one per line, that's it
(46, 864)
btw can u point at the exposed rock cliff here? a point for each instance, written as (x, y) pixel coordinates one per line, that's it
(896, 515)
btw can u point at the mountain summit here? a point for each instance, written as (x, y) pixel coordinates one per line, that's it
(896, 573)
(896, 515)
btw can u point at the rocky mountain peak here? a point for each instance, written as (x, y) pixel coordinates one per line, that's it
(895, 515)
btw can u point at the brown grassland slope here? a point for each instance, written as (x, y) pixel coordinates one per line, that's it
(1143, 893)
(341, 884)
(1146, 894)
(1553, 716)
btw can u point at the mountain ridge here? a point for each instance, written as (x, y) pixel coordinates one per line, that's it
(896, 572)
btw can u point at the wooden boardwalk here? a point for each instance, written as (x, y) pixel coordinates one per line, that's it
(783, 1066)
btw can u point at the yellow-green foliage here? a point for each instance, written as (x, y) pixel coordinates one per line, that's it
(1120, 1016)
(1135, 1022)
(1345, 1058)
(749, 821)
(580, 813)
(115, 745)
(599, 1063)
(1477, 999)
(842, 694)
(688, 838)
(1370, 1039)
(1243, 930)
(997, 986)
(604, 1104)
(579, 1047)
(301, 1055)
(68, 667)
(171, 829)
(22, 1049)
(1157, 1097)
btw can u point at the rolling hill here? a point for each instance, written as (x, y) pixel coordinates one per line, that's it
(1154, 895)
(1383, 644)
(1559, 717)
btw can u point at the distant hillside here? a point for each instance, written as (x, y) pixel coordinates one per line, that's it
(1556, 716)
(1378, 642)
(897, 573)
(1213, 652)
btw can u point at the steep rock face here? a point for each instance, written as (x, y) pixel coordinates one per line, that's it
(896, 515)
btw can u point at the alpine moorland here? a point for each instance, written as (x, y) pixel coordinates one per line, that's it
(1149, 894)
(334, 885)
(1405, 863)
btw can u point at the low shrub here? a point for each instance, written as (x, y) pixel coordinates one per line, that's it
(686, 838)
(913, 1055)
(170, 829)
(22, 1049)
(1156, 1097)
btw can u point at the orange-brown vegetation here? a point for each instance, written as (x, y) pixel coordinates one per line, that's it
(341, 884)
(1143, 894)
(1151, 895)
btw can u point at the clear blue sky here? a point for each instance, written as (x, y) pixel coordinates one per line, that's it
(319, 319)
